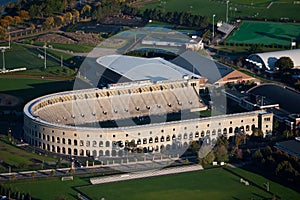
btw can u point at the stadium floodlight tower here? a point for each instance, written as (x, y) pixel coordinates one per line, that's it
(227, 2)
(3, 48)
(213, 26)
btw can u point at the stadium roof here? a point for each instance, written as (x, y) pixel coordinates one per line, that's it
(286, 98)
(202, 66)
(137, 68)
(268, 59)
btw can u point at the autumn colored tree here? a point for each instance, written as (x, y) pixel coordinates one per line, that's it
(59, 20)
(86, 10)
(49, 22)
(4, 23)
(76, 14)
(17, 19)
(24, 15)
(10, 19)
(68, 17)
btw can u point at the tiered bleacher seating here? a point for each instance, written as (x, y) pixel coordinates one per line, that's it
(114, 104)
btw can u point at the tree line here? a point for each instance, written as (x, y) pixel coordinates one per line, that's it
(279, 163)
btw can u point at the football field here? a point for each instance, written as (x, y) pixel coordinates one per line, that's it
(266, 33)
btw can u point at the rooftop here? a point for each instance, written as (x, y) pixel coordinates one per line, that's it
(137, 68)
(202, 66)
(287, 99)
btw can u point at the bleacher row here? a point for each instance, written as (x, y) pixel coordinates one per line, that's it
(87, 108)
(130, 176)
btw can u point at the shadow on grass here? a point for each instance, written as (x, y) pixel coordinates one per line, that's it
(39, 89)
(251, 183)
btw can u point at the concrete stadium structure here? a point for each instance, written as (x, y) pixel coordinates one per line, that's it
(61, 122)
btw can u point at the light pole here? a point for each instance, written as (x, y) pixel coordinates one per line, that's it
(3, 64)
(213, 25)
(227, 2)
(45, 57)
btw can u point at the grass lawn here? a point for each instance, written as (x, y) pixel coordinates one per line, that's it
(49, 188)
(28, 89)
(208, 184)
(243, 9)
(77, 48)
(251, 32)
(19, 159)
(21, 56)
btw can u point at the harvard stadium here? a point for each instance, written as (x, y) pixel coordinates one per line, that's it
(140, 116)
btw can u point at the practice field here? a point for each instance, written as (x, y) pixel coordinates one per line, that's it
(261, 9)
(21, 56)
(207, 184)
(266, 33)
(27, 89)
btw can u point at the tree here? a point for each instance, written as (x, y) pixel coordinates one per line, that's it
(33, 174)
(68, 17)
(17, 19)
(286, 134)
(257, 155)
(221, 153)
(10, 19)
(49, 22)
(284, 64)
(208, 154)
(76, 14)
(59, 20)
(254, 48)
(86, 10)
(4, 23)
(52, 173)
(32, 27)
(24, 15)
(208, 159)
(297, 85)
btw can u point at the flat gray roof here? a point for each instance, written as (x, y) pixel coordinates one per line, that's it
(138, 68)
(202, 66)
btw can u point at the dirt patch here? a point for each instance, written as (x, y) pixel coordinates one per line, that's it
(113, 43)
(71, 38)
(9, 100)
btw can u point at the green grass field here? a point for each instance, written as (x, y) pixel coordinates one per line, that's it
(77, 48)
(19, 159)
(267, 33)
(208, 184)
(28, 89)
(237, 8)
(21, 56)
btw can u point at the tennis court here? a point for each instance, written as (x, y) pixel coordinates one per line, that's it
(267, 33)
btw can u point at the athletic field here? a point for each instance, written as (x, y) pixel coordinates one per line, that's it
(266, 33)
(259, 9)
(206, 184)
